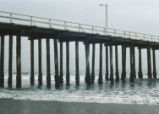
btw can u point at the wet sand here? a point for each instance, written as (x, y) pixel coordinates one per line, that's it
(9, 106)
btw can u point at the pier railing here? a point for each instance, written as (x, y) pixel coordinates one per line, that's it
(72, 26)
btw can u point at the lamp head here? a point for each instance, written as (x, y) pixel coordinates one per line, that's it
(101, 4)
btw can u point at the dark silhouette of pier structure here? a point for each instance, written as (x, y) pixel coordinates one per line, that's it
(62, 32)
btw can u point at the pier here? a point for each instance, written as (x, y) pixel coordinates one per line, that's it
(62, 33)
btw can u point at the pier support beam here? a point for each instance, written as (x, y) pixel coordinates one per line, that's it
(18, 61)
(154, 63)
(61, 62)
(87, 50)
(77, 62)
(10, 61)
(140, 74)
(123, 75)
(48, 75)
(132, 64)
(56, 64)
(39, 63)
(149, 62)
(2, 62)
(111, 65)
(93, 63)
(67, 64)
(116, 61)
(107, 63)
(32, 62)
(100, 79)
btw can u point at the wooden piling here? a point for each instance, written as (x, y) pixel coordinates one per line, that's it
(67, 64)
(149, 62)
(107, 63)
(32, 61)
(111, 65)
(39, 63)
(100, 79)
(87, 50)
(2, 62)
(18, 61)
(93, 64)
(61, 62)
(116, 61)
(10, 63)
(140, 74)
(77, 61)
(123, 75)
(48, 76)
(154, 63)
(132, 64)
(56, 64)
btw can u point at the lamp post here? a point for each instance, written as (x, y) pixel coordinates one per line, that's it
(106, 14)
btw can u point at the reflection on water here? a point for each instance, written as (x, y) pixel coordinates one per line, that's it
(145, 91)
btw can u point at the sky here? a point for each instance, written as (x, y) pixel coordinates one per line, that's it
(131, 15)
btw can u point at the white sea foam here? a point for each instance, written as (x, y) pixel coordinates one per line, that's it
(141, 92)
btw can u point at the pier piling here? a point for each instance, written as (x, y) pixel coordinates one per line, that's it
(56, 64)
(39, 63)
(87, 50)
(32, 61)
(18, 61)
(154, 63)
(61, 62)
(116, 65)
(107, 63)
(93, 63)
(77, 78)
(123, 75)
(149, 62)
(67, 64)
(132, 64)
(140, 74)
(2, 62)
(48, 76)
(111, 65)
(100, 79)
(10, 64)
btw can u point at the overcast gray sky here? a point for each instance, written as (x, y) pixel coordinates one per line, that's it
(132, 15)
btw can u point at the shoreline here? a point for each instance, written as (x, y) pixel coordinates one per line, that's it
(11, 106)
